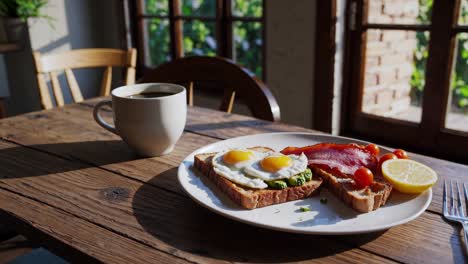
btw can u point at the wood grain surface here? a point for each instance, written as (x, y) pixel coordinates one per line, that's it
(97, 198)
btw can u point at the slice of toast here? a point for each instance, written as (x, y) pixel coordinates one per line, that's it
(362, 200)
(254, 198)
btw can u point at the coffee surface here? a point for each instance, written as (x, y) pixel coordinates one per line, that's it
(150, 95)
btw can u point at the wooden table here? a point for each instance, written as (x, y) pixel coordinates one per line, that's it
(78, 190)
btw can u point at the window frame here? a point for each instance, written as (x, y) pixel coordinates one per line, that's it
(430, 136)
(224, 20)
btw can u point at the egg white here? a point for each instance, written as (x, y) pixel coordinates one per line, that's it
(235, 172)
(298, 165)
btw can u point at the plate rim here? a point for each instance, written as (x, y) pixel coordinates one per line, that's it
(220, 211)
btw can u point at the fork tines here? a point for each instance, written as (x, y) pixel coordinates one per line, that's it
(456, 209)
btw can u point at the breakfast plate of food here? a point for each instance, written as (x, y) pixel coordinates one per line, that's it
(308, 183)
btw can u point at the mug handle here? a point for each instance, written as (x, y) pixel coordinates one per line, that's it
(99, 118)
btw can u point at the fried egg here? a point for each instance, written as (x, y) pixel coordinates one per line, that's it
(275, 166)
(232, 163)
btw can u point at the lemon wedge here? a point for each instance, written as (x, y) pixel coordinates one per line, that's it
(408, 176)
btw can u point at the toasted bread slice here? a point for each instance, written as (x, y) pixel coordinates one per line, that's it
(254, 198)
(362, 200)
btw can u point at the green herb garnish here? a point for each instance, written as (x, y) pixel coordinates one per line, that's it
(304, 209)
(323, 200)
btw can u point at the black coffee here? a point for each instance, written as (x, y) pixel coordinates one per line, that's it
(150, 95)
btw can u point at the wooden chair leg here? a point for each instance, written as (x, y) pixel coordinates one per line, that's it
(190, 94)
(228, 100)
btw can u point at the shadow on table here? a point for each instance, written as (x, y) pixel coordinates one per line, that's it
(188, 227)
(224, 125)
(19, 161)
(456, 241)
(257, 124)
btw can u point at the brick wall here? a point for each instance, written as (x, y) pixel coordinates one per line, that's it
(389, 58)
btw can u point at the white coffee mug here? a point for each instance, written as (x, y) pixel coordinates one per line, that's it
(150, 126)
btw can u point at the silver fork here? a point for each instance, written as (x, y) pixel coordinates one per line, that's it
(456, 212)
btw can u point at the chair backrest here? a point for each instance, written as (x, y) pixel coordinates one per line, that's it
(235, 80)
(82, 58)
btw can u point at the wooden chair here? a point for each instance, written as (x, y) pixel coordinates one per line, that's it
(235, 80)
(82, 58)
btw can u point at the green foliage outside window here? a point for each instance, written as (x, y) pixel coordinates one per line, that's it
(199, 37)
(157, 7)
(248, 45)
(459, 82)
(198, 8)
(248, 36)
(158, 41)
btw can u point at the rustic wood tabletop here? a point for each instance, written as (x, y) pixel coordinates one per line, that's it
(82, 193)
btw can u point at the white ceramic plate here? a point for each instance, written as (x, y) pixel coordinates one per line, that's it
(332, 218)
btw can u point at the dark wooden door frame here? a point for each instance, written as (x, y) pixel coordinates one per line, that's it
(324, 66)
(428, 137)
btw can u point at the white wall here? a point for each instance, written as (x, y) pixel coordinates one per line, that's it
(77, 24)
(290, 44)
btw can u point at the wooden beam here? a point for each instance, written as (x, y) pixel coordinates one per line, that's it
(324, 65)
(438, 67)
(175, 25)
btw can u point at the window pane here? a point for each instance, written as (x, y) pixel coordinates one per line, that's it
(400, 11)
(156, 7)
(394, 73)
(158, 41)
(198, 8)
(199, 38)
(247, 8)
(248, 45)
(463, 16)
(457, 114)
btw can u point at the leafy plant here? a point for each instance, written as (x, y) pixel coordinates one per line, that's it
(22, 8)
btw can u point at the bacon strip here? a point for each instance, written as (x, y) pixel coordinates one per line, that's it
(343, 159)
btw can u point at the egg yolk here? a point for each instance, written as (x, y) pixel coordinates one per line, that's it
(275, 163)
(235, 156)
